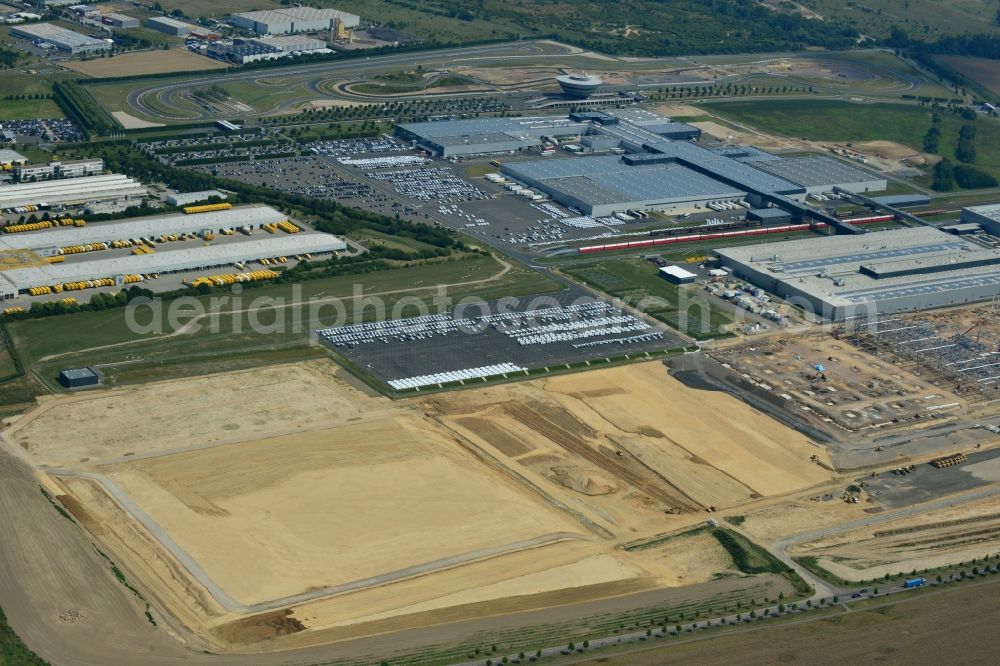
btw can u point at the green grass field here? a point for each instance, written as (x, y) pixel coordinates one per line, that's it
(84, 338)
(638, 284)
(266, 98)
(29, 108)
(197, 8)
(13, 651)
(920, 18)
(17, 82)
(154, 37)
(822, 120)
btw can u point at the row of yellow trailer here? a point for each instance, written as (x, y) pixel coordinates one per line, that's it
(232, 278)
(206, 208)
(80, 249)
(284, 225)
(83, 284)
(43, 224)
(16, 310)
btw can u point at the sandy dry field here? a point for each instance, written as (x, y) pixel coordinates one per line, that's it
(129, 121)
(324, 508)
(635, 441)
(145, 62)
(925, 541)
(178, 415)
(233, 497)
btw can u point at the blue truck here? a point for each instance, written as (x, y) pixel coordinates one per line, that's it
(914, 582)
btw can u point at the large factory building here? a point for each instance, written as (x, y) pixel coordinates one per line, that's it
(889, 271)
(62, 38)
(987, 217)
(662, 170)
(287, 20)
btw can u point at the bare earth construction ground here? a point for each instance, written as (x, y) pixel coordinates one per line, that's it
(145, 62)
(281, 501)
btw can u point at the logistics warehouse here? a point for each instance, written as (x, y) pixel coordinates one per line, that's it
(17, 281)
(72, 191)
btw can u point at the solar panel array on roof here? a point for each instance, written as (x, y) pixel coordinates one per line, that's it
(886, 271)
(604, 185)
(821, 174)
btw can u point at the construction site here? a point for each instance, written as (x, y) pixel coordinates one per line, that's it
(526, 493)
(939, 347)
(842, 388)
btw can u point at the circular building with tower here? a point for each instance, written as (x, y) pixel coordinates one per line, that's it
(579, 86)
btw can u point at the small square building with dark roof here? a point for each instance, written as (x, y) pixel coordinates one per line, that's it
(78, 378)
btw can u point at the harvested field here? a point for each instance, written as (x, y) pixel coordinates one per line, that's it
(943, 627)
(981, 70)
(284, 503)
(144, 62)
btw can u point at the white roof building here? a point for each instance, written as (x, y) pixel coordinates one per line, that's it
(171, 261)
(79, 191)
(61, 38)
(142, 227)
(293, 19)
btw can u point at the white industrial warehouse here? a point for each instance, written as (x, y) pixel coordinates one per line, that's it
(73, 191)
(45, 242)
(287, 20)
(20, 280)
(61, 38)
(987, 217)
(166, 259)
(888, 271)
